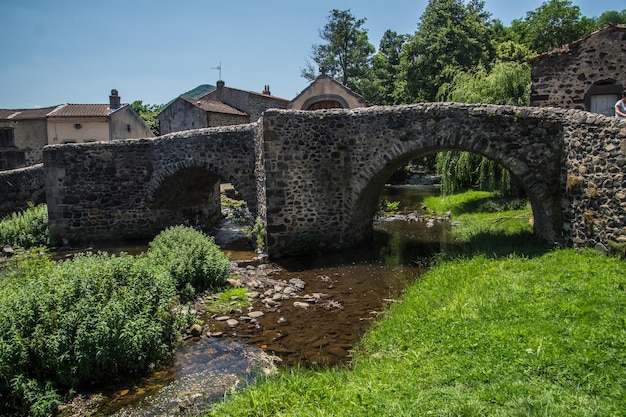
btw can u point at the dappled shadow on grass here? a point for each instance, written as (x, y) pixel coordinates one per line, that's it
(497, 244)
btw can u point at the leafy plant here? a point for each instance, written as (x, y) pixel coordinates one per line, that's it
(227, 300)
(26, 229)
(192, 259)
(386, 207)
(82, 321)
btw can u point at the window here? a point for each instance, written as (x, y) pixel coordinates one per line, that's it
(128, 127)
(604, 104)
(326, 104)
(6, 137)
(78, 126)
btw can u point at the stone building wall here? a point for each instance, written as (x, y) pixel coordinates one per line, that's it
(181, 115)
(19, 187)
(223, 119)
(258, 104)
(570, 76)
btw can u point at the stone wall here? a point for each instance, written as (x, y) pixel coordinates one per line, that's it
(132, 189)
(570, 76)
(325, 170)
(19, 187)
(593, 181)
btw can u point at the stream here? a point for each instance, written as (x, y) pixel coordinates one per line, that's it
(344, 294)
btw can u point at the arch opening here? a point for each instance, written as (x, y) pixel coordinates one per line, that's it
(369, 202)
(189, 196)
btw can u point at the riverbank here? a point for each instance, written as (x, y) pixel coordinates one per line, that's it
(507, 327)
(513, 336)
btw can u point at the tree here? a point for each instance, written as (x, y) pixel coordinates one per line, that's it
(506, 83)
(451, 37)
(379, 83)
(347, 51)
(553, 24)
(148, 112)
(612, 16)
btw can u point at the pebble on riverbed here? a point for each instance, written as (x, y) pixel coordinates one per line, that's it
(265, 292)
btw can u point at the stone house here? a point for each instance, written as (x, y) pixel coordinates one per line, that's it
(220, 107)
(587, 74)
(326, 93)
(186, 113)
(24, 133)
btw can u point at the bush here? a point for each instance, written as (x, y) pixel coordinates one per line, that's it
(82, 321)
(27, 229)
(96, 317)
(192, 258)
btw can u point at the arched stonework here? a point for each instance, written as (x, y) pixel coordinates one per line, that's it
(316, 176)
(119, 190)
(331, 168)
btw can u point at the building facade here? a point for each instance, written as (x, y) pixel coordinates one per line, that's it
(326, 93)
(588, 74)
(223, 106)
(24, 133)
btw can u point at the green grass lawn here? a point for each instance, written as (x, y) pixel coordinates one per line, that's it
(486, 333)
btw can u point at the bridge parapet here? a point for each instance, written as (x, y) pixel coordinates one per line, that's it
(132, 189)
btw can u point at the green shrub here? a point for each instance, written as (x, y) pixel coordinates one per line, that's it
(79, 322)
(27, 229)
(192, 258)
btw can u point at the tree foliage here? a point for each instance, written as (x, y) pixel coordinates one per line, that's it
(611, 16)
(378, 86)
(506, 83)
(452, 36)
(553, 24)
(148, 112)
(346, 53)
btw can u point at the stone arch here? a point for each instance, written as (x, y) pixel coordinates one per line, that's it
(365, 199)
(196, 169)
(340, 160)
(325, 98)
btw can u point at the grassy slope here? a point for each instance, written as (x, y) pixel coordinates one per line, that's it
(506, 336)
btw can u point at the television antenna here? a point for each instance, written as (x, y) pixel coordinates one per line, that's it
(219, 67)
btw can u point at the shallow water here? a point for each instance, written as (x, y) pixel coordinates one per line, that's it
(355, 286)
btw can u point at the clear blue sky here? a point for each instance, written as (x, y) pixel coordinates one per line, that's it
(76, 51)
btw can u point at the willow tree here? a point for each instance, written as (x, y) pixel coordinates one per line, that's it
(507, 83)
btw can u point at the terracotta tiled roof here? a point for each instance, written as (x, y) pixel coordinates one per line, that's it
(83, 110)
(215, 106)
(25, 114)
(566, 48)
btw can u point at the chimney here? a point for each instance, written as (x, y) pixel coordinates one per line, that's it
(266, 90)
(114, 100)
(219, 89)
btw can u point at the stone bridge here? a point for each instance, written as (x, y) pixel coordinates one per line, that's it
(315, 177)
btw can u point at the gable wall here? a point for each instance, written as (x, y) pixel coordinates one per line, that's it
(566, 79)
(181, 115)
